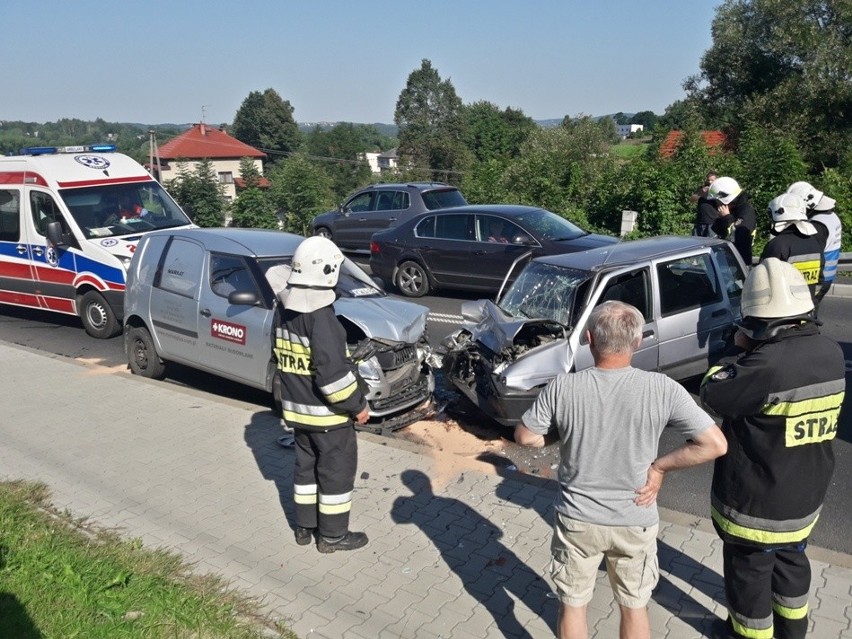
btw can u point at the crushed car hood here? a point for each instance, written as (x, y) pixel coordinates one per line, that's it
(498, 331)
(384, 317)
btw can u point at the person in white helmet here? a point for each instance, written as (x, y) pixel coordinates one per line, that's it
(795, 239)
(820, 211)
(320, 398)
(779, 401)
(737, 219)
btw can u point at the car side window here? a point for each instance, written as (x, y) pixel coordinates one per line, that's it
(687, 283)
(401, 201)
(181, 271)
(454, 227)
(425, 228)
(631, 288)
(391, 200)
(731, 271)
(10, 216)
(361, 202)
(229, 273)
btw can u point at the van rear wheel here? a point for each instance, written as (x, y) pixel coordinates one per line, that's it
(142, 355)
(97, 316)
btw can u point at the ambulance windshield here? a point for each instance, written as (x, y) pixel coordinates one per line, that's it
(123, 209)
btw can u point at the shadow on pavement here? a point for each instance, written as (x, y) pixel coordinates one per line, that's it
(470, 545)
(274, 462)
(539, 494)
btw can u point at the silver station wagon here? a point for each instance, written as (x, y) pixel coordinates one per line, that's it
(206, 298)
(688, 290)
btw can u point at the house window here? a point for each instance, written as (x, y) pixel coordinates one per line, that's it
(226, 177)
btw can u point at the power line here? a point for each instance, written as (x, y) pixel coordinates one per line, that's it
(344, 161)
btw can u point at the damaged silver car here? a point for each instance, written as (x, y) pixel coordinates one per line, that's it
(687, 289)
(207, 298)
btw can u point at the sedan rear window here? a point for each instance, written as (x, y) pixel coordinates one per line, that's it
(443, 199)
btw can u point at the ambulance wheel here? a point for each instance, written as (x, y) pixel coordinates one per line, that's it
(98, 317)
(142, 355)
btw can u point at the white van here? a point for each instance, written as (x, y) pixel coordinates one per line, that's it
(70, 220)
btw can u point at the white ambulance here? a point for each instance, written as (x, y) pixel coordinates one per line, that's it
(70, 219)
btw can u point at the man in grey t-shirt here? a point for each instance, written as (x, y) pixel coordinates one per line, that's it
(609, 419)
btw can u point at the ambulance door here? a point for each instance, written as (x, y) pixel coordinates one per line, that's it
(17, 283)
(53, 268)
(235, 339)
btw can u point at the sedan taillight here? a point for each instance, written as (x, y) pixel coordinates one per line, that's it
(374, 247)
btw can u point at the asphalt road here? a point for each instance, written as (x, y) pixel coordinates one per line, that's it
(686, 491)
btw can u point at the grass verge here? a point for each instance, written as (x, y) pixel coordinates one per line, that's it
(62, 578)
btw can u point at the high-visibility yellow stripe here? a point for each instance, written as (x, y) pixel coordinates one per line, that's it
(804, 406)
(335, 509)
(810, 269)
(294, 347)
(709, 373)
(790, 613)
(294, 363)
(313, 420)
(340, 395)
(305, 499)
(761, 536)
(752, 633)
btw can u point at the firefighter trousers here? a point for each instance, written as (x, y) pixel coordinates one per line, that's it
(324, 478)
(767, 591)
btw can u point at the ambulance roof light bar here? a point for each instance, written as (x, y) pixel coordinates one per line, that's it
(51, 150)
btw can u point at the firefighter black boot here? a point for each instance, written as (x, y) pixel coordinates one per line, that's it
(349, 541)
(304, 536)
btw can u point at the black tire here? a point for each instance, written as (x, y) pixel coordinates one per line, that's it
(324, 231)
(97, 316)
(411, 279)
(142, 357)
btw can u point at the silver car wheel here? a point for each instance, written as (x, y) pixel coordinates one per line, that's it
(412, 280)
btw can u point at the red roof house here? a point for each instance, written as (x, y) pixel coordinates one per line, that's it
(202, 142)
(715, 141)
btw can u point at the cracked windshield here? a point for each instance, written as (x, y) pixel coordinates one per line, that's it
(544, 291)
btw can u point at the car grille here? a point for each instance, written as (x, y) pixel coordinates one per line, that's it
(403, 396)
(390, 360)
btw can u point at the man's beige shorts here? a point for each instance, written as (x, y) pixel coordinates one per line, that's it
(631, 561)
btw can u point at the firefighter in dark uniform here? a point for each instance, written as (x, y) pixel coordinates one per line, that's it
(779, 401)
(795, 239)
(737, 219)
(820, 210)
(320, 398)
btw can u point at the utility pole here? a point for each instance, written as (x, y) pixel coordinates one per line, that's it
(153, 154)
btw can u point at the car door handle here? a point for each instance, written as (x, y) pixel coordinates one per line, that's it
(647, 334)
(37, 250)
(205, 312)
(391, 219)
(480, 252)
(21, 249)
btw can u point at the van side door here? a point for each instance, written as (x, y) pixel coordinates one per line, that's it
(53, 268)
(235, 339)
(17, 277)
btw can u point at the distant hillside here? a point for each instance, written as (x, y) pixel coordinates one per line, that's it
(389, 130)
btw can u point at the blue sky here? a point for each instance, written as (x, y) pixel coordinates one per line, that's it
(162, 61)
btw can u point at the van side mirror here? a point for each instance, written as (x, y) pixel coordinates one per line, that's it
(242, 298)
(55, 236)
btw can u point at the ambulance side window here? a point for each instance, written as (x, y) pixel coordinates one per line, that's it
(10, 216)
(45, 211)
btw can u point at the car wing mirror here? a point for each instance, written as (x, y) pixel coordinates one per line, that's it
(242, 298)
(55, 236)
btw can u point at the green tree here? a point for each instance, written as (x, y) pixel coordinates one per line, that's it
(490, 133)
(428, 114)
(265, 121)
(346, 143)
(199, 193)
(787, 62)
(648, 119)
(300, 190)
(253, 208)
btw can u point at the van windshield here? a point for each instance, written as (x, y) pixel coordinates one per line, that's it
(122, 209)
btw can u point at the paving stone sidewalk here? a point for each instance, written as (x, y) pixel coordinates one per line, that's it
(454, 557)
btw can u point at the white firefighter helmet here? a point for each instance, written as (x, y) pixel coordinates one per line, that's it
(788, 209)
(315, 271)
(815, 200)
(775, 295)
(724, 189)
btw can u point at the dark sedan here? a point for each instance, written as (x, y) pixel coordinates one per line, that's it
(472, 247)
